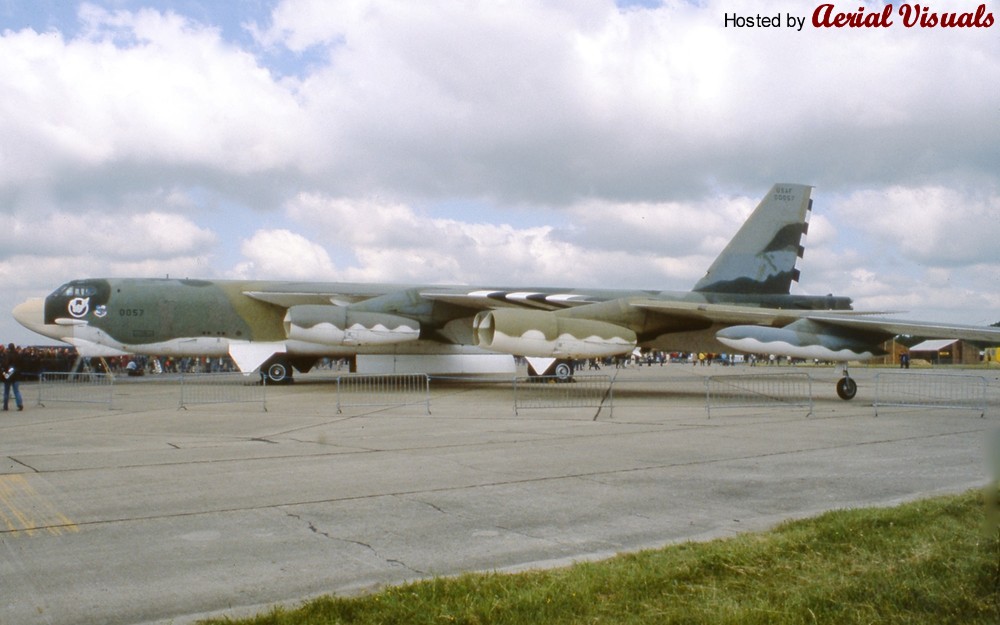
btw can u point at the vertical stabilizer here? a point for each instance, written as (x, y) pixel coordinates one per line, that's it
(761, 257)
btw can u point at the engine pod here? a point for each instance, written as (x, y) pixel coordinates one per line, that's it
(547, 335)
(339, 325)
(802, 339)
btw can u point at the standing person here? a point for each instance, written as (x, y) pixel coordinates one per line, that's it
(11, 376)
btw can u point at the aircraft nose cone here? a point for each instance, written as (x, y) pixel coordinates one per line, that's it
(31, 314)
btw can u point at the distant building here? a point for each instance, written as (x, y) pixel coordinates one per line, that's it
(946, 352)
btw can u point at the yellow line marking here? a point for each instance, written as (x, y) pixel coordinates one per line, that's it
(24, 509)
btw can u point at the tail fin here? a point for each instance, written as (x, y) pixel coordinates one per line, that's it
(761, 257)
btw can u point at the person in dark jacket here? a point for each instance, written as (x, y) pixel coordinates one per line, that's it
(11, 371)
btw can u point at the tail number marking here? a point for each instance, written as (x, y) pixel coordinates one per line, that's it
(783, 194)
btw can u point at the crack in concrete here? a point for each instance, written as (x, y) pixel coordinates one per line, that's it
(23, 464)
(432, 505)
(392, 561)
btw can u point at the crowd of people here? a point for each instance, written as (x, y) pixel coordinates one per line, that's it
(655, 357)
(20, 364)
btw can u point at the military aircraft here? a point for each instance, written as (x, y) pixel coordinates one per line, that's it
(743, 303)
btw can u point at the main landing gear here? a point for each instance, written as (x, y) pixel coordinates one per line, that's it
(561, 370)
(847, 388)
(278, 371)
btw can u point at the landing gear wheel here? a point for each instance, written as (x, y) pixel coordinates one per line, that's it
(563, 371)
(847, 388)
(278, 372)
(554, 370)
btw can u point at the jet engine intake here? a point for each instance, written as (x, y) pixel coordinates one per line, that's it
(339, 325)
(543, 334)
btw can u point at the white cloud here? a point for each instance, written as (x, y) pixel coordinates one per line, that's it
(172, 92)
(534, 102)
(391, 241)
(932, 225)
(551, 102)
(282, 254)
(679, 228)
(144, 236)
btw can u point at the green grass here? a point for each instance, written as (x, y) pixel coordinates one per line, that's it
(935, 561)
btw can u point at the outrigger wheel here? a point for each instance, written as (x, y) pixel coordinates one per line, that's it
(847, 388)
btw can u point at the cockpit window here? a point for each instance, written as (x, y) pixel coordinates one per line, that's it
(78, 290)
(82, 288)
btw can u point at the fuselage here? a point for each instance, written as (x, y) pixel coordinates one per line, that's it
(204, 317)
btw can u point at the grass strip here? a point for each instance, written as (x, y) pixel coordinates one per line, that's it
(934, 561)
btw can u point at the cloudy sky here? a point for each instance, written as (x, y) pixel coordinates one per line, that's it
(535, 142)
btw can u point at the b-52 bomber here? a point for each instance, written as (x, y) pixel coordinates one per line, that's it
(742, 303)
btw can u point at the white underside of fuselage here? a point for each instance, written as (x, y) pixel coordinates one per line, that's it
(99, 341)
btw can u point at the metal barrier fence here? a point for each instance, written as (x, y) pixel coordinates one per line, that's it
(584, 391)
(931, 390)
(383, 390)
(77, 388)
(222, 388)
(768, 390)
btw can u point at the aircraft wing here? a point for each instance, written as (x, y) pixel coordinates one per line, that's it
(863, 322)
(289, 298)
(487, 299)
(922, 329)
(472, 298)
(842, 337)
(720, 313)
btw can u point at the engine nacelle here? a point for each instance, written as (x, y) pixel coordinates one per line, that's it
(801, 339)
(339, 325)
(545, 335)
